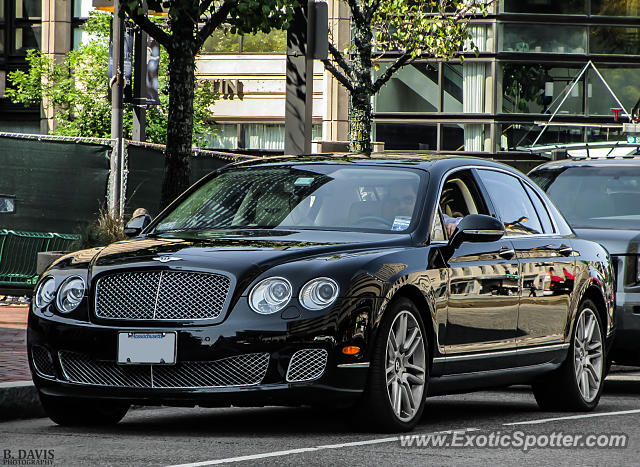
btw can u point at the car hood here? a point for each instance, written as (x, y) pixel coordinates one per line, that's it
(241, 253)
(617, 242)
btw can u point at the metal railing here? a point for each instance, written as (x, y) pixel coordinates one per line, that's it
(18, 255)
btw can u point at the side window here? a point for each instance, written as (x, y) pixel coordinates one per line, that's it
(512, 203)
(459, 197)
(543, 214)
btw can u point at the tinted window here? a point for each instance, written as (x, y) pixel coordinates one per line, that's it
(306, 196)
(511, 202)
(543, 214)
(596, 197)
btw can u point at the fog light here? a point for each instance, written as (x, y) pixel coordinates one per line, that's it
(351, 350)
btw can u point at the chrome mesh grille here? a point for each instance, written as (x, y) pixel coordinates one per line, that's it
(242, 370)
(307, 365)
(239, 370)
(42, 361)
(81, 369)
(161, 295)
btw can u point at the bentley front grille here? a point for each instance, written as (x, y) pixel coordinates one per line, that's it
(161, 295)
(239, 370)
(307, 365)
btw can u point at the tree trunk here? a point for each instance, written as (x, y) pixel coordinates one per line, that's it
(180, 121)
(360, 111)
(360, 122)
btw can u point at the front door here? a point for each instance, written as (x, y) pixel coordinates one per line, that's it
(482, 307)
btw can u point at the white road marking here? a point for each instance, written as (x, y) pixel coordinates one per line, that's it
(301, 450)
(573, 417)
(392, 439)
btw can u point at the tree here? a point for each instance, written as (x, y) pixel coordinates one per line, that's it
(404, 29)
(78, 90)
(190, 23)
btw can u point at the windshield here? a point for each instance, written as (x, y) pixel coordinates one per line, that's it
(322, 197)
(595, 197)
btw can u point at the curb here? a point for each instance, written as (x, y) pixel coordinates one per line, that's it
(19, 400)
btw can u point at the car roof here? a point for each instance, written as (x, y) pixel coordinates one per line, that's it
(603, 162)
(424, 161)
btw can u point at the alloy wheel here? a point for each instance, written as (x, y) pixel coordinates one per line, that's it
(405, 366)
(588, 355)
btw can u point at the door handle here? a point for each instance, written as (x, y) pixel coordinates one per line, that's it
(565, 250)
(506, 253)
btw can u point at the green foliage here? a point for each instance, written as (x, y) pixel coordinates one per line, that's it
(223, 41)
(78, 90)
(417, 27)
(103, 231)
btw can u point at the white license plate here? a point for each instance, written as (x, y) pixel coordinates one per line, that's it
(135, 348)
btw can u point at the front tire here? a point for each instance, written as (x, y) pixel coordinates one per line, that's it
(394, 398)
(577, 384)
(67, 411)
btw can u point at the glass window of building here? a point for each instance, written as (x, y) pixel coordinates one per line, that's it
(452, 137)
(614, 40)
(520, 136)
(621, 80)
(452, 88)
(615, 7)
(407, 136)
(536, 88)
(81, 11)
(413, 88)
(482, 37)
(552, 7)
(547, 38)
(23, 25)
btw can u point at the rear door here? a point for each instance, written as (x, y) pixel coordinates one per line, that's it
(546, 265)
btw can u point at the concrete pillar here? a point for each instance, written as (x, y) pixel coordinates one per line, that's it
(335, 120)
(56, 42)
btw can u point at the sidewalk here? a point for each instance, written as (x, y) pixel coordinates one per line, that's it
(18, 396)
(13, 339)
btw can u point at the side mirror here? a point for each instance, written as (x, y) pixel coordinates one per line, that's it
(137, 225)
(477, 228)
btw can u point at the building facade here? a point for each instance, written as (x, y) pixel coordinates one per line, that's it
(546, 72)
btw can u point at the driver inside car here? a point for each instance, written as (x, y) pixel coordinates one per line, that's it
(403, 199)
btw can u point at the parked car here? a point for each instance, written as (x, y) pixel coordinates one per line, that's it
(329, 280)
(600, 198)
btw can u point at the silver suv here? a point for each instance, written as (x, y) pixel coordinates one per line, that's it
(600, 198)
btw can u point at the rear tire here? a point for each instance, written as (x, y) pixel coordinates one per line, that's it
(577, 384)
(394, 398)
(68, 411)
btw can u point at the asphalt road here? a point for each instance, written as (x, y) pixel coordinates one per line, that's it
(303, 436)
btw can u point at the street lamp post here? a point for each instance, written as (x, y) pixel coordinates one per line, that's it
(116, 84)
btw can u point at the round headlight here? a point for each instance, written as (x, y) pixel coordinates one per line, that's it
(270, 295)
(70, 294)
(318, 293)
(46, 292)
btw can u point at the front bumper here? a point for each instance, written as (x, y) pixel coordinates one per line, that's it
(626, 346)
(79, 360)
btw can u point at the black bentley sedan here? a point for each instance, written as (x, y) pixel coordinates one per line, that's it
(367, 283)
